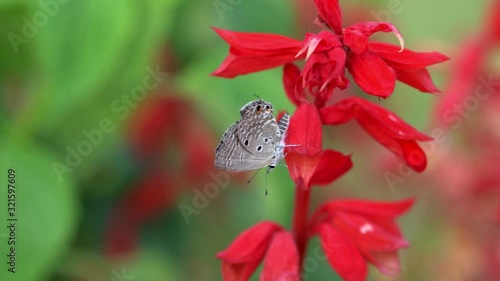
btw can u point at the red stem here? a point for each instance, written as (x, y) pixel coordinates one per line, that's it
(299, 224)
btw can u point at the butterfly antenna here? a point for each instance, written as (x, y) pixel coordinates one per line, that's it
(257, 96)
(267, 173)
(250, 180)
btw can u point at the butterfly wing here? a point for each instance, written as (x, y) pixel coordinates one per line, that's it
(260, 136)
(230, 155)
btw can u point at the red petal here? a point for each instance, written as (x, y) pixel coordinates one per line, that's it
(252, 52)
(282, 259)
(239, 272)
(367, 234)
(250, 244)
(304, 133)
(291, 73)
(387, 262)
(407, 59)
(371, 208)
(331, 166)
(372, 74)
(419, 79)
(355, 40)
(342, 254)
(302, 167)
(330, 13)
(389, 122)
(383, 125)
(258, 43)
(368, 28)
(407, 150)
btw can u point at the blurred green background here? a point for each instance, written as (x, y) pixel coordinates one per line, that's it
(67, 66)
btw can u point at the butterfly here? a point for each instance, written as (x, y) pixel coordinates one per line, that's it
(255, 141)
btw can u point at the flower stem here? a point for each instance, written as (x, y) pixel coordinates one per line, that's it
(299, 224)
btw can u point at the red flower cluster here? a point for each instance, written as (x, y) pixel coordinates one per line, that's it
(352, 232)
(374, 66)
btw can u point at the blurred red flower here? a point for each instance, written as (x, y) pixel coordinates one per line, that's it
(159, 125)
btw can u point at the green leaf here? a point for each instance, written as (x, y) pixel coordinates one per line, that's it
(45, 209)
(94, 48)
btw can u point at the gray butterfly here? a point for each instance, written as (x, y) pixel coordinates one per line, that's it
(255, 141)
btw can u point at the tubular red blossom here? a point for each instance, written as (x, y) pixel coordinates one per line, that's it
(251, 52)
(370, 229)
(282, 259)
(305, 139)
(246, 252)
(244, 255)
(384, 126)
(330, 14)
(304, 133)
(342, 254)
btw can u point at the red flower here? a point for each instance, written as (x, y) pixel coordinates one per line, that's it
(375, 66)
(384, 126)
(252, 52)
(307, 163)
(354, 232)
(246, 252)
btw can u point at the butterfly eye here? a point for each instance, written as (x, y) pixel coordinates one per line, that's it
(258, 108)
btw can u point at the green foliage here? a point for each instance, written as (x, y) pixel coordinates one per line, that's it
(45, 207)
